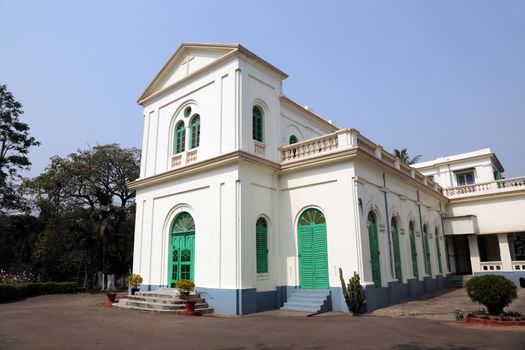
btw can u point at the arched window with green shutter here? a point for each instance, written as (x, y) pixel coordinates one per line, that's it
(397, 250)
(438, 250)
(373, 239)
(261, 245)
(413, 249)
(293, 139)
(426, 251)
(180, 138)
(257, 131)
(195, 131)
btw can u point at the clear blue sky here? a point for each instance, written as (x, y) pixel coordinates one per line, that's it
(438, 77)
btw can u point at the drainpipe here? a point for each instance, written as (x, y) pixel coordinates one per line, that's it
(388, 229)
(422, 233)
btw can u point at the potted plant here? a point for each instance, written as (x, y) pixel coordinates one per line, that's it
(185, 287)
(111, 294)
(134, 282)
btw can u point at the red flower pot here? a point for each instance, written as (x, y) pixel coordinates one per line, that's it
(134, 290)
(189, 309)
(111, 298)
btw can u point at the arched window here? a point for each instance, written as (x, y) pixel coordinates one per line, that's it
(261, 245)
(373, 240)
(413, 249)
(438, 249)
(426, 251)
(195, 131)
(257, 133)
(293, 139)
(397, 250)
(180, 137)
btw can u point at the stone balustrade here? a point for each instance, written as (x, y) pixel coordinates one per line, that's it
(505, 185)
(491, 266)
(346, 139)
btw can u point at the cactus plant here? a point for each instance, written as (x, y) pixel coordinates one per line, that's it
(353, 292)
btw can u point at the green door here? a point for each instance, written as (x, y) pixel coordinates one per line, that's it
(313, 254)
(397, 251)
(182, 249)
(413, 249)
(426, 251)
(373, 240)
(438, 249)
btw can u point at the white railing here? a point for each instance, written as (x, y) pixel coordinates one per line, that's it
(505, 185)
(176, 160)
(309, 148)
(518, 266)
(259, 148)
(191, 156)
(491, 266)
(342, 140)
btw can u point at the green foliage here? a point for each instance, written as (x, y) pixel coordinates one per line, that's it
(85, 220)
(14, 148)
(185, 286)
(493, 291)
(403, 156)
(134, 281)
(458, 315)
(10, 292)
(353, 292)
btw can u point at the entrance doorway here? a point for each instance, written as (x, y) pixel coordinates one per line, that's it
(182, 249)
(313, 253)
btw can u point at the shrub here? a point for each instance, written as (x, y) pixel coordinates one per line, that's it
(185, 285)
(493, 291)
(459, 315)
(353, 292)
(10, 292)
(134, 281)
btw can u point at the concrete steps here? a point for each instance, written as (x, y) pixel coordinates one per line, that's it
(163, 301)
(312, 301)
(459, 281)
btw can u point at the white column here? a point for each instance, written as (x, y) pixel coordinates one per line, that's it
(474, 253)
(504, 251)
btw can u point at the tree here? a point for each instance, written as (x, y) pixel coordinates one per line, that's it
(14, 148)
(403, 156)
(87, 208)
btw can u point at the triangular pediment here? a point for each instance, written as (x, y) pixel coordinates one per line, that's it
(188, 59)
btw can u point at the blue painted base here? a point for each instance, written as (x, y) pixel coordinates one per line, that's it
(514, 276)
(396, 292)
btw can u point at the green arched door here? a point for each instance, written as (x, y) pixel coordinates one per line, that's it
(313, 252)
(182, 249)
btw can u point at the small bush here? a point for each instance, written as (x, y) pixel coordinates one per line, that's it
(10, 292)
(185, 285)
(459, 315)
(493, 291)
(134, 281)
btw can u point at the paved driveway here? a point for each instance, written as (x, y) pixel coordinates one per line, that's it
(80, 322)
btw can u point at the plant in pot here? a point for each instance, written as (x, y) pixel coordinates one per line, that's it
(185, 287)
(111, 294)
(134, 282)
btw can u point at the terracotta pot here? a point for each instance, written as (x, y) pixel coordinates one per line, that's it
(111, 298)
(189, 309)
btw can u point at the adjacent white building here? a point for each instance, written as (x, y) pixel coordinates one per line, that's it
(260, 201)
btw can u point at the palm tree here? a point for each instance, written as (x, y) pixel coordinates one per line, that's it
(403, 156)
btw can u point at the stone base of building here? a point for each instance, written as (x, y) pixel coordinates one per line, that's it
(249, 300)
(518, 277)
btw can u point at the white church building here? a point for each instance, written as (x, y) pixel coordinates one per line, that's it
(260, 201)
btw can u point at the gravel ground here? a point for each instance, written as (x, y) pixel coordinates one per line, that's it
(442, 306)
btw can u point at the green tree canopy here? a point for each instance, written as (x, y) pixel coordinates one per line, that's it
(403, 156)
(15, 142)
(87, 210)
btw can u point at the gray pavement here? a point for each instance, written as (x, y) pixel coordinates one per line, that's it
(80, 322)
